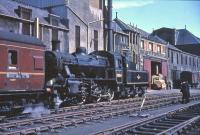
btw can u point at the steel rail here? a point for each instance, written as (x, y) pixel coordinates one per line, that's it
(126, 127)
(63, 119)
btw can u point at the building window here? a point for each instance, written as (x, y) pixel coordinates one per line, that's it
(26, 28)
(77, 36)
(12, 57)
(186, 60)
(177, 60)
(159, 49)
(150, 46)
(142, 44)
(95, 40)
(190, 61)
(41, 33)
(172, 57)
(55, 41)
(53, 20)
(25, 14)
(181, 59)
(131, 37)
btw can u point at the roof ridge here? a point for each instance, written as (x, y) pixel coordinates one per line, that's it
(26, 4)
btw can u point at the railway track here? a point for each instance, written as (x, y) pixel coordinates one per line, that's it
(94, 105)
(70, 116)
(181, 121)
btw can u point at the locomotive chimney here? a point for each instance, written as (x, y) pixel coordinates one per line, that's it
(110, 32)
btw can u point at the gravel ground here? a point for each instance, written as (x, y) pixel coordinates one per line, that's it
(92, 127)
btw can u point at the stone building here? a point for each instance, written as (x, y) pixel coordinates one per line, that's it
(28, 20)
(120, 39)
(85, 20)
(182, 64)
(181, 38)
(126, 40)
(184, 60)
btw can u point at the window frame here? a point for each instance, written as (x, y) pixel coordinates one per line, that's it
(10, 64)
(77, 36)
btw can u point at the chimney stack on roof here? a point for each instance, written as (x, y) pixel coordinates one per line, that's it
(116, 15)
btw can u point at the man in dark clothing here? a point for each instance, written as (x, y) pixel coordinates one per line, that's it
(185, 91)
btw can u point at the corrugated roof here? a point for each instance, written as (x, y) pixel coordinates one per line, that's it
(9, 36)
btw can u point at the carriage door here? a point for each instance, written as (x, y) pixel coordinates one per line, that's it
(119, 69)
(12, 75)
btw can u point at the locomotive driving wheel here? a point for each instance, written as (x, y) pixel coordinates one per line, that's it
(82, 98)
(110, 94)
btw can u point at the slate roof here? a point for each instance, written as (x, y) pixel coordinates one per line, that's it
(173, 48)
(184, 37)
(123, 25)
(10, 36)
(156, 39)
(9, 7)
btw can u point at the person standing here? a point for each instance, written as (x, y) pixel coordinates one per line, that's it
(185, 92)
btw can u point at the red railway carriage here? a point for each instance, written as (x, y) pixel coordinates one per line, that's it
(21, 64)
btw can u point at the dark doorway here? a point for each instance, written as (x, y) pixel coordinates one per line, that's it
(156, 68)
(186, 76)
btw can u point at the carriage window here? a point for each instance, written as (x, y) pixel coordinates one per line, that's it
(12, 57)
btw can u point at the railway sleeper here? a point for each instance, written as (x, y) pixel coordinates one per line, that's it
(183, 117)
(173, 121)
(142, 128)
(136, 132)
(164, 124)
(155, 126)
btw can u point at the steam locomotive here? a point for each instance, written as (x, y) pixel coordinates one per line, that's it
(96, 76)
(29, 73)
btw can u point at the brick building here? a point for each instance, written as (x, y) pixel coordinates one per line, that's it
(28, 20)
(85, 20)
(153, 55)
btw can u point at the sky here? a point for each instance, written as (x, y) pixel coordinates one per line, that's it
(154, 14)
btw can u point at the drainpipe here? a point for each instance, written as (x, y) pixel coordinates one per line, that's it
(110, 32)
(37, 28)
